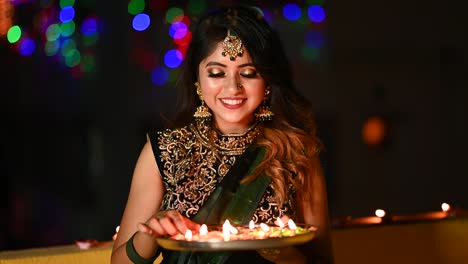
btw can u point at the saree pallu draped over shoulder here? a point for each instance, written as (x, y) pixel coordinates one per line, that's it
(231, 200)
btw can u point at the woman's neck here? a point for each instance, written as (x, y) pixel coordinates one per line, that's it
(238, 130)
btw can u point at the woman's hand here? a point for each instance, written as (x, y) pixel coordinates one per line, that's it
(169, 223)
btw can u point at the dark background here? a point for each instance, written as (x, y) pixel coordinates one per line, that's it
(69, 144)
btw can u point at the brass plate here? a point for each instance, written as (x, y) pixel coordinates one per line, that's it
(247, 244)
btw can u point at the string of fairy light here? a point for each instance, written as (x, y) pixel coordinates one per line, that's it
(55, 30)
(310, 15)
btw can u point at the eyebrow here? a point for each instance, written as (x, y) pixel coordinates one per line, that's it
(214, 63)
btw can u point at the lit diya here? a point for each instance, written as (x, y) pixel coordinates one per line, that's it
(231, 237)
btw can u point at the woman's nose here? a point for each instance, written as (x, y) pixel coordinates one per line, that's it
(233, 84)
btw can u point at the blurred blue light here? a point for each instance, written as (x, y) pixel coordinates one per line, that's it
(159, 76)
(316, 13)
(267, 15)
(173, 58)
(141, 22)
(89, 26)
(178, 30)
(314, 39)
(292, 12)
(67, 14)
(26, 47)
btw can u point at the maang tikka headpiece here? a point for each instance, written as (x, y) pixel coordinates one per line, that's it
(232, 46)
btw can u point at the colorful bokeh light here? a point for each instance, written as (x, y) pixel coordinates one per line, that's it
(88, 63)
(68, 29)
(173, 13)
(159, 76)
(185, 40)
(314, 39)
(316, 13)
(141, 22)
(67, 14)
(53, 32)
(73, 58)
(173, 58)
(89, 26)
(65, 3)
(14, 34)
(292, 12)
(51, 48)
(178, 30)
(27, 46)
(68, 46)
(90, 40)
(310, 53)
(136, 6)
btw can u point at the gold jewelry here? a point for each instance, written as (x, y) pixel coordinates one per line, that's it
(264, 112)
(239, 85)
(203, 112)
(232, 46)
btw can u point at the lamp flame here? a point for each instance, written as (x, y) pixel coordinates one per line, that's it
(380, 213)
(226, 230)
(203, 230)
(445, 207)
(188, 235)
(280, 223)
(292, 225)
(251, 225)
(264, 227)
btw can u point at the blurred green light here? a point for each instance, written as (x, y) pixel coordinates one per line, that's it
(90, 40)
(51, 48)
(53, 32)
(73, 58)
(68, 28)
(172, 13)
(173, 74)
(136, 6)
(196, 7)
(310, 53)
(88, 63)
(67, 47)
(65, 3)
(303, 20)
(14, 34)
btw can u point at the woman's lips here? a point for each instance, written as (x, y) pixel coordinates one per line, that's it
(232, 103)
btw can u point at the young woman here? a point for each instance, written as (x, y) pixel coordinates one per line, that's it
(242, 126)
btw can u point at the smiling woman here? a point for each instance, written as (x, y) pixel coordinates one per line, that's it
(243, 148)
(232, 89)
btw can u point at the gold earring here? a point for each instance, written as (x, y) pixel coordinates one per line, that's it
(264, 112)
(203, 112)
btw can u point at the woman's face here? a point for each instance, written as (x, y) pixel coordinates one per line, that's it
(232, 106)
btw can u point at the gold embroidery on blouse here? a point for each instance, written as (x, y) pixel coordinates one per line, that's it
(195, 159)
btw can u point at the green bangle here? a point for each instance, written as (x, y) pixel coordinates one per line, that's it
(134, 256)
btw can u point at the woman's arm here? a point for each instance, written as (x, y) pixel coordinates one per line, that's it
(143, 202)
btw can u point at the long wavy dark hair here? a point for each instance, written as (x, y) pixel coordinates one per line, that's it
(290, 138)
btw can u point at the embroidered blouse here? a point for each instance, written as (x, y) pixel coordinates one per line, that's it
(194, 159)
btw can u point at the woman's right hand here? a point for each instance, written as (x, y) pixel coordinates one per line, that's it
(169, 222)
